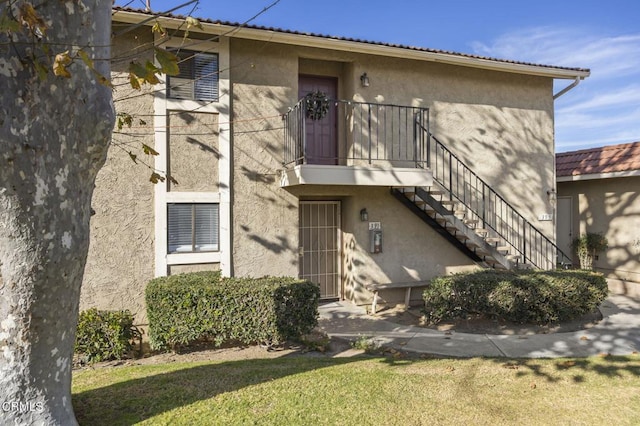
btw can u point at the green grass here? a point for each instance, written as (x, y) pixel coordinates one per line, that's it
(363, 390)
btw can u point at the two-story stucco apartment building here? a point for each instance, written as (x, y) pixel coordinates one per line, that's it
(343, 161)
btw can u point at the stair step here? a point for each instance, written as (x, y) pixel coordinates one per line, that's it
(503, 248)
(448, 203)
(492, 240)
(471, 221)
(409, 194)
(436, 192)
(481, 231)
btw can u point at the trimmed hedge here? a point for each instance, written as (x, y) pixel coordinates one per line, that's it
(105, 335)
(537, 297)
(186, 308)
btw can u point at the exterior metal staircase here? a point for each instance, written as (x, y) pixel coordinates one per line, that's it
(465, 210)
(449, 219)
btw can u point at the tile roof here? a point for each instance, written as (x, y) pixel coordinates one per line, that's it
(606, 159)
(355, 40)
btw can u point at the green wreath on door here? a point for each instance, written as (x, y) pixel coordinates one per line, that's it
(317, 105)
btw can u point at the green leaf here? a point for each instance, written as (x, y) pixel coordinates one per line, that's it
(193, 22)
(30, 17)
(168, 61)
(41, 70)
(86, 59)
(148, 150)
(157, 28)
(8, 24)
(138, 70)
(135, 81)
(155, 178)
(133, 157)
(60, 64)
(124, 119)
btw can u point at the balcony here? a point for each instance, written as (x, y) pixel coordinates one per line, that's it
(330, 142)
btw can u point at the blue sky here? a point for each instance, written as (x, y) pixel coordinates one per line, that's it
(601, 35)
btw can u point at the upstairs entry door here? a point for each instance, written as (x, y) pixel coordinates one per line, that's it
(321, 136)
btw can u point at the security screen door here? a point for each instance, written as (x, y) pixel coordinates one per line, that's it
(319, 245)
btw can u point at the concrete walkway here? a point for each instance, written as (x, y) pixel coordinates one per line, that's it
(617, 334)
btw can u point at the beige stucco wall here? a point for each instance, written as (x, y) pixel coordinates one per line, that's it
(610, 207)
(198, 267)
(412, 251)
(193, 151)
(120, 260)
(265, 217)
(501, 124)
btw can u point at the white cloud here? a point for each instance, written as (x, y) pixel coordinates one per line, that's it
(603, 109)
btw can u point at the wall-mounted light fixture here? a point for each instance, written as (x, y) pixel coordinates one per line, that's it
(364, 216)
(552, 195)
(364, 80)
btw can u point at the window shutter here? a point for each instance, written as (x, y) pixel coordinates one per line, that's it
(193, 227)
(206, 227)
(206, 74)
(180, 227)
(198, 77)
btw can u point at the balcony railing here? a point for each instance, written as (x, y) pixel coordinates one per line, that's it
(356, 133)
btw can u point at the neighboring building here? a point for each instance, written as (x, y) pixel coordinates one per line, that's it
(599, 192)
(343, 192)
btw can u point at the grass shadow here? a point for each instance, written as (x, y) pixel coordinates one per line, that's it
(136, 396)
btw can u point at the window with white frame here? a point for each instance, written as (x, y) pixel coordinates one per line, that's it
(193, 227)
(198, 77)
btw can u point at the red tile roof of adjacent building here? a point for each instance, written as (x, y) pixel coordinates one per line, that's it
(606, 159)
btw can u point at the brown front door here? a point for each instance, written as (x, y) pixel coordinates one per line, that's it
(321, 136)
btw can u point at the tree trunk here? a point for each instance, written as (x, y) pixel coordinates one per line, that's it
(54, 134)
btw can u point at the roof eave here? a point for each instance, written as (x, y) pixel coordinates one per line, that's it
(593, 176)
(360, 47)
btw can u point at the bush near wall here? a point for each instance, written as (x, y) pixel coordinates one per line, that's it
(105, 335)
(186, 308)
(536, 297)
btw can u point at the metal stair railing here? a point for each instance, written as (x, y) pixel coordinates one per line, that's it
(488, 207)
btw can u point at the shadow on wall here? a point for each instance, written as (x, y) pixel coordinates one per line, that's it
(612, 207)
(496, 154)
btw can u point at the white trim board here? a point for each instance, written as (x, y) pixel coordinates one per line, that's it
(593, 176)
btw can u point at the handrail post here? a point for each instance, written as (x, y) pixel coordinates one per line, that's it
(524, 239)
(303, 133)
(415, 139)
(428, 147)
(369, 129)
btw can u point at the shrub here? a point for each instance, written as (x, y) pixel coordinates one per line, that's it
(186, 308)
(587, 245)
(538, 297)
(105, 335)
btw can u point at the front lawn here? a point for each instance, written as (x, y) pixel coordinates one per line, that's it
(306, 390)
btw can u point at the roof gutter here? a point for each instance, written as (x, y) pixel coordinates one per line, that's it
(284, 37)
(569, 87)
